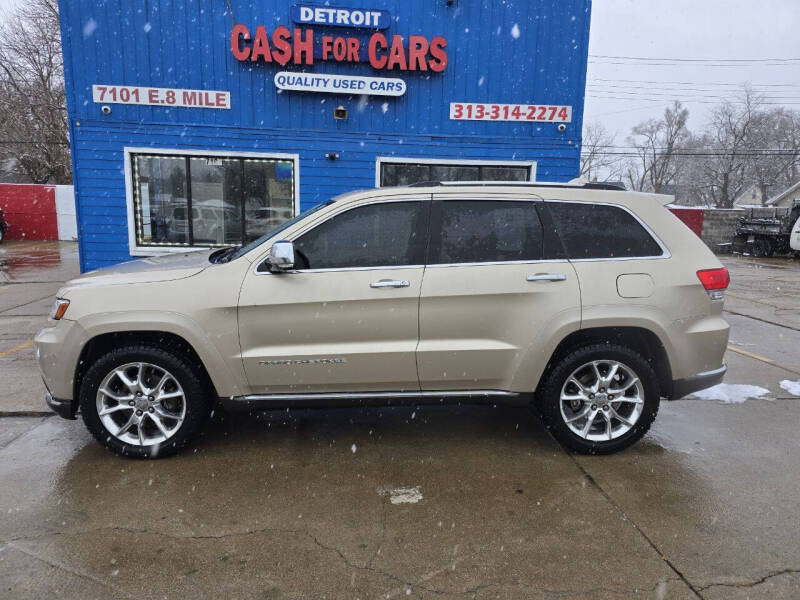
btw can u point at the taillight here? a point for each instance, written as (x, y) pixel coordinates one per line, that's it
(714, 281)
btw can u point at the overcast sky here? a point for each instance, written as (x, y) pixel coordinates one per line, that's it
(7, 4)
(622, 92)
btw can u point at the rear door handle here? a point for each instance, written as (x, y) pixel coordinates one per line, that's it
(392, 283)
(546, 277)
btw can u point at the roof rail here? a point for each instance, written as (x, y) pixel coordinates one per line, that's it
(591, 185)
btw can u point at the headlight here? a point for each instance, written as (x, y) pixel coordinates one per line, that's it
(60, 306)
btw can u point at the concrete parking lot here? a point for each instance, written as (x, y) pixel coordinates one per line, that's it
(458, 502)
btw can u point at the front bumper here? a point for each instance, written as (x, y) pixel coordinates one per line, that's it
(58, 347)
(695, 383)
(63, 408)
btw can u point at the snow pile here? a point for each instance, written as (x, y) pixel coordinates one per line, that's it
(401, 495)
(793, 387)
(732, 393)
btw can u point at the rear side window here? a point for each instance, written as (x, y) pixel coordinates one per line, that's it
(601, 231)
(474, 231)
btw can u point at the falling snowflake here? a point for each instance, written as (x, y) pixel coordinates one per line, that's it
(89, 28)
(515, 31)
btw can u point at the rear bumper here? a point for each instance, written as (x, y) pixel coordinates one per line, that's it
(695, 383)
(63, 408)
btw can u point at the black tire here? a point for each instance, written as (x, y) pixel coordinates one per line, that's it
(763, 248)
(548, 398)
(198, 400)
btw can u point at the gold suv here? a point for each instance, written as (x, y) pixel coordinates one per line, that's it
(587, 302)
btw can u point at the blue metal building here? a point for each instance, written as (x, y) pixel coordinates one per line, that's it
(205, 122)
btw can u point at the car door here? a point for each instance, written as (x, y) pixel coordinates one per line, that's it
(497, 289)
(347, 319)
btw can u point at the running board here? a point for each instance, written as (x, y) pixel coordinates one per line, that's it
(344, 399)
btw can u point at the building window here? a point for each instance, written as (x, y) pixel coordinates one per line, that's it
(406, 173)
(209, 200)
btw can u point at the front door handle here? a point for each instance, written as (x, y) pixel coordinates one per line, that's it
(392, 283)
(546, 277)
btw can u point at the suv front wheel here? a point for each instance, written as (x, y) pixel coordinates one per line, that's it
(144, 401)
(599, 399)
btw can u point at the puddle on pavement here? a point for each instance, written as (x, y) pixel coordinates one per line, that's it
(19, 262)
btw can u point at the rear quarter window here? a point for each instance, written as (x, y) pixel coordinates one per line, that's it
(601, 231)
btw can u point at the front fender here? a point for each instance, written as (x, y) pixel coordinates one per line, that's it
(224, 366)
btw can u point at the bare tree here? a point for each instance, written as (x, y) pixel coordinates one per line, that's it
(694, 184)
(656, 142)
(775, 150)
(728, 138)
(33, 116)
(598, 162)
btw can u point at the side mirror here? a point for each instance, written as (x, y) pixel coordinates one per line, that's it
(281, 256)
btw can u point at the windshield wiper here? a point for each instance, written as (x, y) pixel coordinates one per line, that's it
(223, 255)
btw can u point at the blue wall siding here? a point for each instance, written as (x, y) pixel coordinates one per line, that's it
(98, 150)
(185, 44)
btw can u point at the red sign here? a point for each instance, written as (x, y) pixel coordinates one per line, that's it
(297, 47)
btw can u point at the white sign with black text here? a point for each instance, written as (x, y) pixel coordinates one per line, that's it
(153, 96)
(339, 84)
(480, 111)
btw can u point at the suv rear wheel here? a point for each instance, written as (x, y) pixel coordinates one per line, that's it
(599, 399)
(144, 401)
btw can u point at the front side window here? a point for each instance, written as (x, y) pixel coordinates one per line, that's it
(209, 200)
(386, 234)
(475, 231)
(601, 231)
(392, 173)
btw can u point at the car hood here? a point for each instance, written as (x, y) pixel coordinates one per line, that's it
(146, 270)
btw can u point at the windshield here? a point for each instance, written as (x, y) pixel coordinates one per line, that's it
(276, 230)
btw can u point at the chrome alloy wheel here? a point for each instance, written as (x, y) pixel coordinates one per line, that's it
(141, 404)
(602, 400)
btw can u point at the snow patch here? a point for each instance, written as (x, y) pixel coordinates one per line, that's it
(793, 387)
(401, 495)
(732, 393)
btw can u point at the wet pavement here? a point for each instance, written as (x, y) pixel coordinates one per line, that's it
(765, 288)
(30, 275)
(457, 502)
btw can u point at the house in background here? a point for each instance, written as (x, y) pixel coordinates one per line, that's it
(786, 197)
(750, 196)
